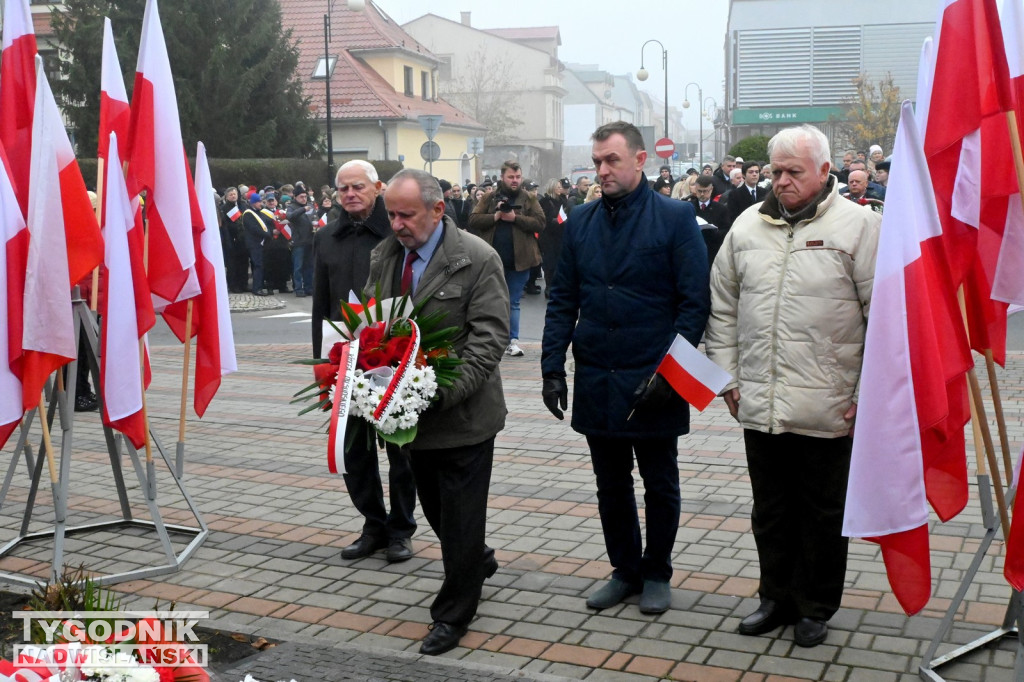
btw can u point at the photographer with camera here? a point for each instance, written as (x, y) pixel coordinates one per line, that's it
(509, 219)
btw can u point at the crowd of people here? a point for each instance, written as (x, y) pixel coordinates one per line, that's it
(770, 263)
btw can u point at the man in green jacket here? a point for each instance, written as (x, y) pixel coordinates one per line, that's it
(459, 274)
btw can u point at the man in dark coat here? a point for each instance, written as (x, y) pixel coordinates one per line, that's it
(236, 256)
(556, 207)
(721, 175)
(258, 229)
(664, 179)
(633, 274)
(713, 213)
(746, 195)
(301, 215)
(342, 265)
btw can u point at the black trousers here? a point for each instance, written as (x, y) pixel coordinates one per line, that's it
(612, 459)
(362, 478)
(452, 485)
(799, 485)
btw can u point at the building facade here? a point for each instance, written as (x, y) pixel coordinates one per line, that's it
(382, 81)
(795, 61)
(510, 80)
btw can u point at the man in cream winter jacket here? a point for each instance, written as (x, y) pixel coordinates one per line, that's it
(790, 290)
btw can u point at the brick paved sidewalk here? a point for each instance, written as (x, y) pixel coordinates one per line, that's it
(278, 520)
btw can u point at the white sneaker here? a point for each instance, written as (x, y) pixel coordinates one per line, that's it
(514, 350)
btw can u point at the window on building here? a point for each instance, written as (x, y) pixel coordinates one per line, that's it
(51, 64)
(444, 69)
(408, 81)
(324, 67)
(425, 84)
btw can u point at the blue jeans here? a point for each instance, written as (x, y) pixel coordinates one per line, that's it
(515, 280)
(302, 269)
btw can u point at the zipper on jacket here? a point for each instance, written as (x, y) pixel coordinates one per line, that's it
(775, 329)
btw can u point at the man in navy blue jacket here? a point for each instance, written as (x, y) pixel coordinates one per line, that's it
(632, 274)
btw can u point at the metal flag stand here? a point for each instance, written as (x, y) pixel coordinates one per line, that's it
(1011, 625)
(63, 399)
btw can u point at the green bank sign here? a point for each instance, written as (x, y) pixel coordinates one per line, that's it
(785, 115)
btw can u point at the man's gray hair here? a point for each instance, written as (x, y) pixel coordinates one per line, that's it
(430, 191)
(365, 166)
(787, 141)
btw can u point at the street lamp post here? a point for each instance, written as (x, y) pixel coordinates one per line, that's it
(713, 118)
(327, 85)
(642, 74)
(700, 119)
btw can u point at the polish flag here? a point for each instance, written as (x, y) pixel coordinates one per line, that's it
(285, 229)
(65, 245)
(11, 223)
(904, 418)
(1008, 285)
(322, 221)
(691, 374)
(120, 371)
(966, 130)
(18, 93)
(234, 214)
(115, 113)
(561, 215)
(157, 164)
(211, 314)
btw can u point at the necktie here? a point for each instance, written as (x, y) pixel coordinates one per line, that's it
(753, 194)
(407, 272)
(703, 206)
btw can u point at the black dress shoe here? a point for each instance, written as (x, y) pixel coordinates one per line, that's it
(441, 638)
(363, 547)
(86, 402)
(768, 616)
(532, 290)
(399, 549)
(490, 564)
(810, 632)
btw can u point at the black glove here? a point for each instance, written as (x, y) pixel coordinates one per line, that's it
(555, 393)
(653, 390)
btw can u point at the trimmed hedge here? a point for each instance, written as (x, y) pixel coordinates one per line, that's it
(262, 172)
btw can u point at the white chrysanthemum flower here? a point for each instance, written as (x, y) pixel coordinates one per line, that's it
(389, 425)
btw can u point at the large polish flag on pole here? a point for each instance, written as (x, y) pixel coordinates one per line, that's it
(211, 315)
(17, 92)
(115, 117)
(120, 371)
(967, 145)
(11, 223)
(1008, 285)
(157, 164)
(65, 245)
(115, 112)
(903, 382)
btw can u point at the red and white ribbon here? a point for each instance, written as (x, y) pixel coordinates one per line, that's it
(340, 408)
